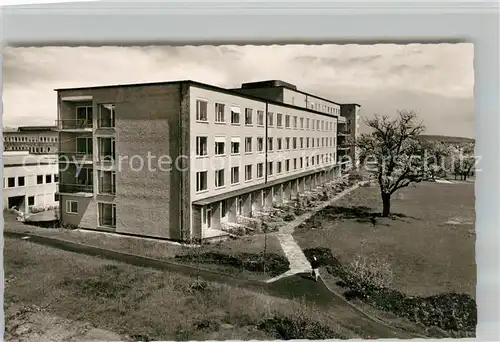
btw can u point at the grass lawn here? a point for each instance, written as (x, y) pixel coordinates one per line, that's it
(427, 255)
(139, 303)
(246, 247)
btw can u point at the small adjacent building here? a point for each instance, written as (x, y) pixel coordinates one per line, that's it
(29, 180)
(34, 139)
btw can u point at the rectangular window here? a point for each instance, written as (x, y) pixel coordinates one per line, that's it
(295, 163)
(287, 143)
(71, 207)
(31, 200)
(301, 142)
(235, 115)
(248, 144)
(107, 215)
(107, 182)
(270, 144)
(279, 120)
(307, 161)
(260, 170)
(317, 159)
(248, 116)
(106, 116)
(270, 168)
(294, 144)
(201, 146)
(260, 144)
(219, 178)
(39, 179)
(48, 179)
(295, 122)
(270, 118)
(279, 167)
(235, 175)
(235, 147)
(287, 121)
(201, 181)
(20, 181)
(307, 142)
(11, 182)
(312, 141)
(56, 178)
(260, 118)
(301, 160)
(287, 165)
(301, 123)
(219, 113)
(248, 172)
(307, 123)
(220, 146)
(280, 143)
(201, 110)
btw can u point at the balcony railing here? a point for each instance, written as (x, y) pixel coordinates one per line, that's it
(107, 189)
(72, 156)
(75, 188)
(74, 124)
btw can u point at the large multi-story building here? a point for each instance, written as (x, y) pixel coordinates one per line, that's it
(178, 160)
(35, 139)
(29, 180)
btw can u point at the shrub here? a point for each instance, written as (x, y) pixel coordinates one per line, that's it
(371, 272)
(288, 217)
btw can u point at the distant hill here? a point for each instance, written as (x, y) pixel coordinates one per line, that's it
(446, 139)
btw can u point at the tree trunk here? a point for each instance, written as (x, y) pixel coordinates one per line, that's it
(386, 204)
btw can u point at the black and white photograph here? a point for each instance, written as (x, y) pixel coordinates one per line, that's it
(239, 192)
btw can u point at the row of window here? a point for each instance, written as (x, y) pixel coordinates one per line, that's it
(31, 199)
(32, 149)
(29, 139)
(282, 120)
(281, 166)
(281, 144)
(21, 180)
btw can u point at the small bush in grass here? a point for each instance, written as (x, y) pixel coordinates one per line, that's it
(288, 217)
(370, 271)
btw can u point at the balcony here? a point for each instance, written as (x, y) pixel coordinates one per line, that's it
(76, 189)
(79, 125)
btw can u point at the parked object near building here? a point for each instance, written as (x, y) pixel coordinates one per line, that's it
(34, 139)
(29, 181)
(185, 160)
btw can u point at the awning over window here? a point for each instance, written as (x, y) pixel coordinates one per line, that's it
(220, 139)
(236, 109)
(235, 139)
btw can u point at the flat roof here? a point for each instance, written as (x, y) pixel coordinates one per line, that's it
(205, 86)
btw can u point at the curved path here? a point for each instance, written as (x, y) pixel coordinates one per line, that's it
(295, 286)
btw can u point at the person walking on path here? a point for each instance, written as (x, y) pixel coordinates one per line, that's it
(315, 268)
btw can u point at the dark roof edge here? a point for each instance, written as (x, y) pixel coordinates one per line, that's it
(206, 86)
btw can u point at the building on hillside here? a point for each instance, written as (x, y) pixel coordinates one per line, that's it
(34, 139)
(29, 180)
(183, 160)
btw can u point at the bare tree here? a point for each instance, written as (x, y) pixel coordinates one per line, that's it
(393, 146)
(464, 159)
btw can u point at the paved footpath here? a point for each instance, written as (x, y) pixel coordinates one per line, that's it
(293, 252)
(293, 287)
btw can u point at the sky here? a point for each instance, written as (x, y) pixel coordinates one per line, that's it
(436, 80)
